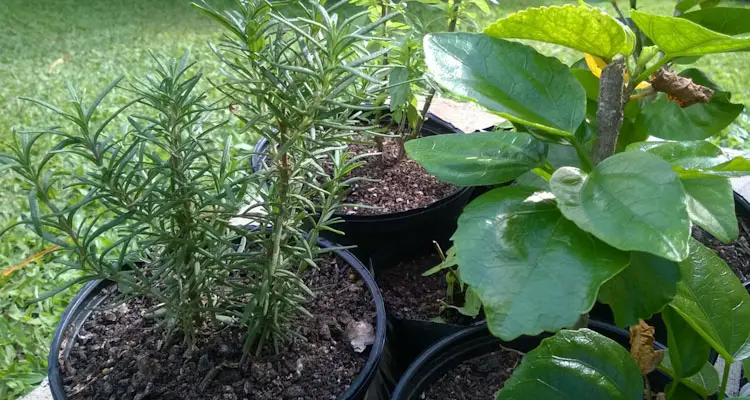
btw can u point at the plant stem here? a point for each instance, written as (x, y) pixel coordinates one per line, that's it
(672, 389)
(428, 101)
(724, 379)
(610, 111)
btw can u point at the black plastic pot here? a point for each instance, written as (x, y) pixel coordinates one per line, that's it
(384, 240)
(476, 341)
(368, 385)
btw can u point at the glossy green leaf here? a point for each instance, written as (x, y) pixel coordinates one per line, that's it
(514, 248)
(567, 25)
(730, 21)
(575, 365)
(684, 5)
(710, 204)
(714, 303)
(710, 201)
(481, 158)
(696, 159)
(705, 382)
(665, 119)
(642, 289)
(632, 201)
(678, 37)
(399, 91)
(508, 78)
(689, 351)
(736, 167)
(685, 155)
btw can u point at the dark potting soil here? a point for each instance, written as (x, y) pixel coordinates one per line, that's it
(121, 355)
(736, 253)
(401, 184)
(476, 379)
(409, 295)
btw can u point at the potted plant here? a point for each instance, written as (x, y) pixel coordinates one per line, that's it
(184, 302)
(397, 211)
(609, 215)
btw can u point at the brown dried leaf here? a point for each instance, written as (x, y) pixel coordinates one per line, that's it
(642, 347)
(679, 89)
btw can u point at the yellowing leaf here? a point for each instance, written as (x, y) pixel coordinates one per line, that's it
(642, 347)
(587, 29)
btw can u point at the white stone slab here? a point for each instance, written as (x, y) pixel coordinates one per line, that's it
(40, 393)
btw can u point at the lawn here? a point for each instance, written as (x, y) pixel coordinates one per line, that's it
(44, 44)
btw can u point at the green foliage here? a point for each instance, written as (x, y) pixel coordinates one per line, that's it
(581, 361)
(605, 36)
(619, 229)
(727, 20)
(511, 243)
(678, 37)
(667, 120)
(705, 382)
(300, 82)
(96, 42)
(642, 289)
(499, 81)
(161, 189)
(483, 158)
(627, 191)
(714, 303)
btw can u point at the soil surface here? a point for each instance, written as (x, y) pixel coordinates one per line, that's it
(121, 355)
(409, 295)
(476, 379)
(736, 253)
(400, 186)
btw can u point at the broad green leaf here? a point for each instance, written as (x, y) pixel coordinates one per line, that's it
(727, 20)
(685, 155)
(587, 29)
(481, 158)
(684, 5)
(689, 351)
(632, 201)
(575, 364)
(705, 382)
(714, 303)
(642, 289)
(695, 160)
(678, 37)
(514, 248)
(736, 167)
(710, 204)
(665, 119)
(530, 179)
(510, 79)
(399, 91)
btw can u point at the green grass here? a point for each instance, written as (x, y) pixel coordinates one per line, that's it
(100, 40)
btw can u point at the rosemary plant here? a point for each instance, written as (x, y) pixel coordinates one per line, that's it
(301, 82)
(155, 200)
